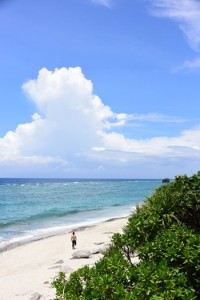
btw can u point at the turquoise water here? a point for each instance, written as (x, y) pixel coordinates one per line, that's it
(31, 207)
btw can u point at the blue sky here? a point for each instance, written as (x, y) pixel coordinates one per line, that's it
(99, 88)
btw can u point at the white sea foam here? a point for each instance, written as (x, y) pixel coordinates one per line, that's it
(37, 234)
(44, 208)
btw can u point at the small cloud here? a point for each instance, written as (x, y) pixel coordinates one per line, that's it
(157, 118)
(107, 3)
(98, 149)
(122, 120)
(186, 13)
(101, 168)
(188, 64)
(36, 117)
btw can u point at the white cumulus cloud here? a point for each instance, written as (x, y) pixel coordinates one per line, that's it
(73, 132)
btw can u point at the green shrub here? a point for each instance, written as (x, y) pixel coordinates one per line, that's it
(161, 281)
(165, 233)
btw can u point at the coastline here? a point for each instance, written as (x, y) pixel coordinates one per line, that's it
(10, 244)
(30, 267)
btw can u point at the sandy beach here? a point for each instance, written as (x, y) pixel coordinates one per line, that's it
(26, 271)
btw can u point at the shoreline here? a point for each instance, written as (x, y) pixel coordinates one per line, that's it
(30, 267)
(9, 245)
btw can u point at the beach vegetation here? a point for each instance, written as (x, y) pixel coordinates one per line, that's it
(164, 233)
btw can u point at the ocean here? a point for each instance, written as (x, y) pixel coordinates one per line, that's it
(35, 208)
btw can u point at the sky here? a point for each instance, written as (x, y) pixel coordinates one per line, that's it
(99, 88)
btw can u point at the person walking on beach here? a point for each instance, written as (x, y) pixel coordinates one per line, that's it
(73, 239)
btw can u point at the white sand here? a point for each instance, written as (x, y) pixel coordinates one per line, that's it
(31, 268)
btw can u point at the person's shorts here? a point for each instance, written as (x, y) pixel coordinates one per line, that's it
(73, 243)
